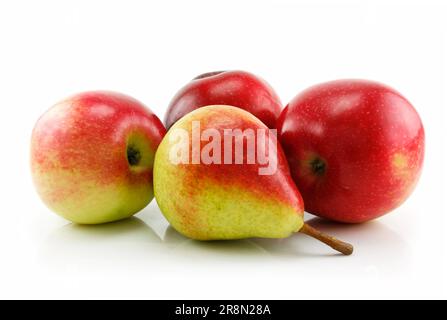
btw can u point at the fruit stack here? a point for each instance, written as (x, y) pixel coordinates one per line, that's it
(233, 164)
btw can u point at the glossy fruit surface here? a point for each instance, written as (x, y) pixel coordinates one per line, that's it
(355, 148)
(235, 88)
(211, 201)
(92, 156)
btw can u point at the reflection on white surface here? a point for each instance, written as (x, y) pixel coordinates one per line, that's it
(147, 242)
(381, 248)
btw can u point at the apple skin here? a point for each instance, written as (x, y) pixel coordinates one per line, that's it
(92, 156)
(235, 88)
(355, 148)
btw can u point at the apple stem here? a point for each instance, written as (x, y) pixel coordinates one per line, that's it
(332, 242)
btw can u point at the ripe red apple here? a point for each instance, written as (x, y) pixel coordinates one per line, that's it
(355, 148)
(92, 156)
(235, 88)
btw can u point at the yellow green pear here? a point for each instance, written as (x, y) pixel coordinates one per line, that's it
(219, 174)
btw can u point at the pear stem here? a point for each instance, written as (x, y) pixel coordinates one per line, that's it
(332, 242)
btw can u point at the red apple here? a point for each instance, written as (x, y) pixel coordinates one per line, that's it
(355, 148)
(92, 156)
(235, 88)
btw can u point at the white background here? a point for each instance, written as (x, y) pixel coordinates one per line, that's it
(51, 49)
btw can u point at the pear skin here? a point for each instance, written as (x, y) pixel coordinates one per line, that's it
(207, 199)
